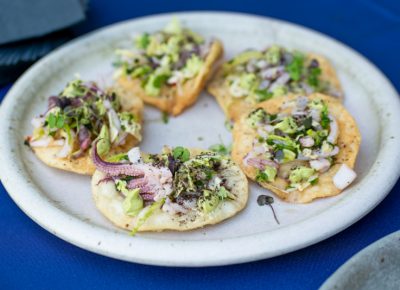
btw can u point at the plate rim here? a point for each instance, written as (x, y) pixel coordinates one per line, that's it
(68, 227)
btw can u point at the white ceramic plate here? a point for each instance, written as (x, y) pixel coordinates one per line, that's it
(375, 267)
(61, 202)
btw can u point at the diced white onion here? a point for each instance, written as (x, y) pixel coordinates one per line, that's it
(134, 155)
(37, 122)
(58, 142)
(315, 115)
(173, 208)
(269, 128)
(261, 64)
(236, 90)
(344, 177)
(259, 150)
(42, 142)
(65, 150)
(301, 103)
(262, 132)
(307, 141)
(68, 145)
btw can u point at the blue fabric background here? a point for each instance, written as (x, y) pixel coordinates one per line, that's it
(32, 258)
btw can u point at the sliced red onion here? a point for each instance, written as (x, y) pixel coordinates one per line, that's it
(307, 141)
(264, 84)
(84, 138)
(76, 102)
(344, 177)
(251, 66)
(114, 169)
(95, 88)
(272, 73)
(247, 157)
(261, 163)
(183, 57)
(320, 164)
(334, 130)
(53, 102)
(280, 81)
(314, 63)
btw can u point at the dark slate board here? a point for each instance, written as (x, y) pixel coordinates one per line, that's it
(22, 19)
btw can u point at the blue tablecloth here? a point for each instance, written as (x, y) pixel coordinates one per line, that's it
(32, 258)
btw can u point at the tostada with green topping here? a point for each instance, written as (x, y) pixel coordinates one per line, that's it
(169, 68)
(180, 189)
(81, 114)
(301, 148)
(255, 76)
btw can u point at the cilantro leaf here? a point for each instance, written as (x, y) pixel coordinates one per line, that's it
(295, 68)
(181, 153)
(313, 76)
(263, 95)
(221, 149)
(143, 41)
(51, 120)
(165, 117)
(325, 121)
(159, 81)
(60, 122)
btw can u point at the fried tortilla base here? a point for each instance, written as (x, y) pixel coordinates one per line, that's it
(349, 140)
(171, 99)
(84, 164)
(235, 107)
(109, 203)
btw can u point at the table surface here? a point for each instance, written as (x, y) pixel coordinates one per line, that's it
(32, 258)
